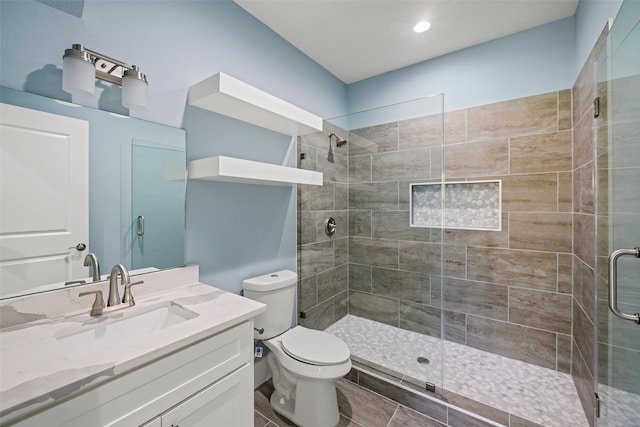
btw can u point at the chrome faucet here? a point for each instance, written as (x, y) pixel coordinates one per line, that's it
(114, 296)
(113, 304)
(91, 260)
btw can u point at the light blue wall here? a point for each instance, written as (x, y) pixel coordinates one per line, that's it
(528, 63)
(176, 43)
(233, 231)
(236, 231)
(625, 39)
(539, 60)
(591, 18)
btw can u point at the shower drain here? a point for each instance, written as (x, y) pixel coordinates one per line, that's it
(423, 360)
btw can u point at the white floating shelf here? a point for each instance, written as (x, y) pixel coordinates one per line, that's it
(231, 97)
(229, 169)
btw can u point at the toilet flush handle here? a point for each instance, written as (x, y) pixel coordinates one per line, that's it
(259, 331)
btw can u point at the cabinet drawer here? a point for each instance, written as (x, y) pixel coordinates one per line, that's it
(139, 395)
(156, 422)
(228, 402)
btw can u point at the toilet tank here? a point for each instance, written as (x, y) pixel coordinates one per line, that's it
(278, 291)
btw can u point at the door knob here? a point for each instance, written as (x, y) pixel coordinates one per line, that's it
(79, 247)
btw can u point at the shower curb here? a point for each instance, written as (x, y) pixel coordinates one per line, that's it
(438, 406)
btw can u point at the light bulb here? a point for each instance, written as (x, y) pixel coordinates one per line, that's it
(422, 26)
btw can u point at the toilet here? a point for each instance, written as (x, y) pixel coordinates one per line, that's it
(304, 363)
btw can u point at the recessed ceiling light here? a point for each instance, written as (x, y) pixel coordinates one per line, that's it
(422, 26)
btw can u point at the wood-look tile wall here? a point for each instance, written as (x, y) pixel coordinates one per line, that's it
(508, 291)
(505, 291)
(395, 270)
(323, 260)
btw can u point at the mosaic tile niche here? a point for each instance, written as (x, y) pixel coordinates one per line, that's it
(468, 205)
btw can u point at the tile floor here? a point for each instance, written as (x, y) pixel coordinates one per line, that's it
(358, 406)
(509, 392)
(537, 394)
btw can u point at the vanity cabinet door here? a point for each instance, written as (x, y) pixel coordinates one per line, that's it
(142, 395)
(156, 422)
(228, 402)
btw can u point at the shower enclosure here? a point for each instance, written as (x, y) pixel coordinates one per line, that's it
(618, 222)
(450, 265)
(376, 280)
(470, 250)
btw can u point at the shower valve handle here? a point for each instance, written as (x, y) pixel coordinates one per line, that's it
(330, 226)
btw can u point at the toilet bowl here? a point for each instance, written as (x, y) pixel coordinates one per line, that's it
(304, 363)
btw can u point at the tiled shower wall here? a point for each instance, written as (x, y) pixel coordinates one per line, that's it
(323, 259)
(394, 270)
(509, 291)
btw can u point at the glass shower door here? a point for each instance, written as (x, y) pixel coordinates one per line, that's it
(618, 228)
(391, 313)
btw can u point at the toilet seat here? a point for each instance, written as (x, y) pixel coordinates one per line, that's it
(314, 347)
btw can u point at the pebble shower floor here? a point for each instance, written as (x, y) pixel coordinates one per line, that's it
(541, 395)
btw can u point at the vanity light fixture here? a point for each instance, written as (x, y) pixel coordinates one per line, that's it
(81, 66)
(422, 26)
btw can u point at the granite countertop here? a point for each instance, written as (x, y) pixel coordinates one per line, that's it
(36, 370)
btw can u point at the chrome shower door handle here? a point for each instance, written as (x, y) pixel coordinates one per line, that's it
(613, 283)
(140, 225)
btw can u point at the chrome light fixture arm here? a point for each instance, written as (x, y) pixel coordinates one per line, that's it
(81, 66)
(107, 68)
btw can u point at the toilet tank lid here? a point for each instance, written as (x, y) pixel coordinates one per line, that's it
(271, 281)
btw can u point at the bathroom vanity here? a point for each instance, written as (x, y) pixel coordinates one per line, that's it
(183, 355)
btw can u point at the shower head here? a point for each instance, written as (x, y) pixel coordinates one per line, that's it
(339, 140)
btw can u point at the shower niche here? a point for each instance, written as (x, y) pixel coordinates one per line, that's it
(467, 205)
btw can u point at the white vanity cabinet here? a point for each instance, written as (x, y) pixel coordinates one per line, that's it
(222, 403)
(207, 383)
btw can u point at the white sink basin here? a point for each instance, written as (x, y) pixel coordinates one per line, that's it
(123, 328)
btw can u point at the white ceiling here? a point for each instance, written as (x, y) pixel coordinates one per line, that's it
(356, 39)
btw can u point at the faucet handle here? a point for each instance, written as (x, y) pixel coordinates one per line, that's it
(98, 304)
(128, 296)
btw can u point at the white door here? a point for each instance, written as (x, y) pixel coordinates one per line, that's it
(44, 209)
